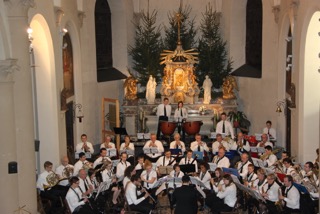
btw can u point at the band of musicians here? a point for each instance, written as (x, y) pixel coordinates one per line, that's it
(225, 174)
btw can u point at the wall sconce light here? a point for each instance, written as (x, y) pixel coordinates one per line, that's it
(282, 104)
(289, 39)
(77, 112)
(30, 38)
(289, 57)
(289, 67)
(63, 31)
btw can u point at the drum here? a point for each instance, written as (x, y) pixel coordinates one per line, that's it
(167, 128)
(192, 127)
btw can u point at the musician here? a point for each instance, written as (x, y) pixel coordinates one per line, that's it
(65, 171)
(264, 141)
(307, 172)
(288, 166)
(189, 160)
(199, 145)
(47, 190)
(166, 160)
(221, 160)
(103, 157)
(148, 176)
(243, 165)
(217, 180)
(128, 173)
(180, 115)
(291, 196)
(177, 144)
(271, 159)
(227, 192)
(251, 176)
(81, 163)
(127, 145)
(224, 126)
(257, 185)
(85, 185)
(163, 113)
(77, 203)
(93, 179)
(107, 143)
(132, 194)
(270, 191)
(84, 145)
(185, 198)
(316, 161)
(121, 166)
(242, 146)
(204, 175)
(271, 132)
(110, 179)
(153, 142)
(218, 144)
(140, 164)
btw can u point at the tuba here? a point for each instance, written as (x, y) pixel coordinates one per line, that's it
(52, 180)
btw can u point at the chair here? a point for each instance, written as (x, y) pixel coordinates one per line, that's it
(127, 207)
(66, 206)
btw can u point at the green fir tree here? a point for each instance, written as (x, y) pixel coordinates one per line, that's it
(213, 57)
(187, 30)
(147, 48)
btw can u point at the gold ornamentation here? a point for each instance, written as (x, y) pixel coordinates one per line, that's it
(228, 86)
(130, 88)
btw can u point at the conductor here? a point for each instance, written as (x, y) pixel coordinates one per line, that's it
(185, 198)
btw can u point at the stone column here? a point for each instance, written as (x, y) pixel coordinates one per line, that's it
(17, 11)
(9, 188)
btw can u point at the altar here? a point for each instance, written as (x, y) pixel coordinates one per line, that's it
(141, 117)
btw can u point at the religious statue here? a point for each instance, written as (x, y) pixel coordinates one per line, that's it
(151, 90)
(207, 84)
(229, 83)
(130, 88)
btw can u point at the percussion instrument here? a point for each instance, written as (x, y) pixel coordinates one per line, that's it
(167, 128)
(192, 127)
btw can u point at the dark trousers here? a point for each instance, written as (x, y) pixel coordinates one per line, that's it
(220, 206)
(161, 118)
(144, 207)
(288, 210)
(272, 207)
(84, 209)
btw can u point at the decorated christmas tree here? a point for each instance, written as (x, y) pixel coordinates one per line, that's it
(187, 30)
(213, 57)
(147, 48)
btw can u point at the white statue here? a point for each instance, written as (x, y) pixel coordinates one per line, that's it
(207, 84)
(151, 90)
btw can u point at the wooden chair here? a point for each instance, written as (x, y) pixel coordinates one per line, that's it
(127, 207)
(67, 209)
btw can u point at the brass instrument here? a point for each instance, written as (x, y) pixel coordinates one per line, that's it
(278, 203)
(87, 165)
(67, 172)
(52, 180)
(297, 177)
(265, 156)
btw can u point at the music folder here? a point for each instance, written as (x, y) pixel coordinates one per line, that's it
(128, 151)
(196, 181)
(176, 151)
(143, 136)
(111, 152)
(120, 131)
(151, 150)
(187, 168)
(231, 171)
(257, 149)
(197, 154)
(76, 155)
(258, 162)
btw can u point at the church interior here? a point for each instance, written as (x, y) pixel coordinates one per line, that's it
(66, 66)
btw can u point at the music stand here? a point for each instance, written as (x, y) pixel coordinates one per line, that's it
(258, 162)
(212, 166)
(120, 131)
(151, 150)
(165, 170)
(176, 151)
(128, 151)
(197, 154)
(76, 155)
(257, 149)
(231, 171)
(187, 168)
(112, 152)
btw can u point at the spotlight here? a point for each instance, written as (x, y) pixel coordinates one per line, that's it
(63, 31)
(289, 67)
(289, 39)
(289, 57)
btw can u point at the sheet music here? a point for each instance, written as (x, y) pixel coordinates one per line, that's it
(258, 137)
(150, 150)
(196, 181)
(128, 151)
(212, 166)
(111, 152)
(257, 149)
(258, 162)
(76, 155)
(143, 136)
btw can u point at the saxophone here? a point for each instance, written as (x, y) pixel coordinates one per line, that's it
(278, 203)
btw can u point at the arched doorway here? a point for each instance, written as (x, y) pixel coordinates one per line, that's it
(309, 96)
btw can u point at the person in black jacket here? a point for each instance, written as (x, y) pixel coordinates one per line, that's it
(185, 198)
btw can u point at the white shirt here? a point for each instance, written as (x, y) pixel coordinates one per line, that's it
(273, 191)
(131, 194)
(146, 176)
(131, 147)
(72, 197)
(100, 160)
(292, 198)
(181, 146)
(259, 187)
(77, 166)
(107, 176)
(163, 161)
(221, 162)
(125, 181)
(227, 126)
(185, 161)
(244, 166)
(205, 178)
(229, 195)
(177, 114)
(159, 146)
(272, 133)
(121, 167)
(42, 180)
(203, 147)
(84, 183)
(79, 147)
(245, 146)
(266, 144)
(251, 177)
(217, 144)
(289, 171)
(272, 159)
(160, 110)
(102, 145)
(173, 174)
(138, 166)
(60, 171)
